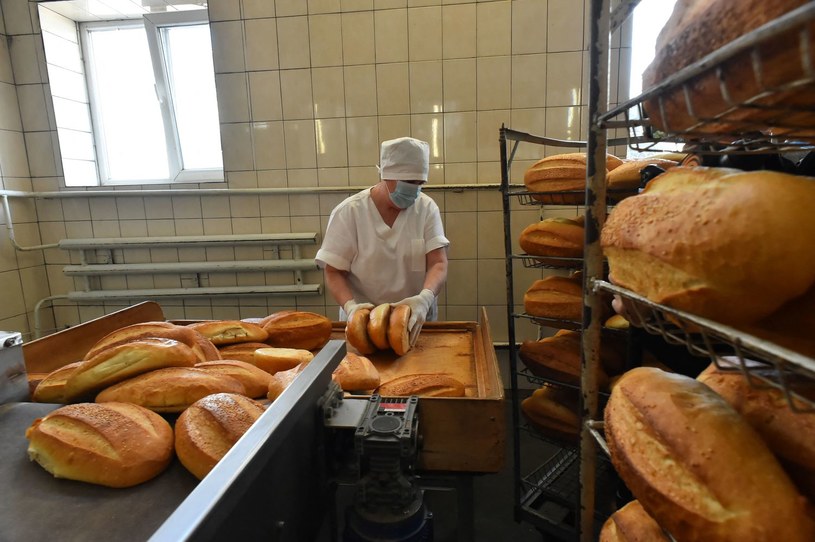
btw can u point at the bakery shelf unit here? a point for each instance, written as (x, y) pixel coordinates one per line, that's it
(758, 111)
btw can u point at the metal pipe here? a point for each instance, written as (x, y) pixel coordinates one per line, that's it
(244, 266)
(10, 230)
(37, 307)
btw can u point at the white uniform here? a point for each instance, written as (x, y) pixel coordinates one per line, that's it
(385, 264)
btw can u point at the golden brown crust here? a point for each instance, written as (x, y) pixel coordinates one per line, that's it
(297, 329)
(631, 523)
(210, 427)
(398, 333)
(555, 297)
(273, 360)
(111, 444)
(558, 358)
(125, 361)
(723, 244)
(356, 332)
(230, 331)
(562, 173)
(553, 411)
(254, 379)
(170, 390)
(51, 389)
(356, 373)
(425, 385)
(627, 176)
(132, 332)
(556, 236)
(241, 351)
(281, 380)
(681, 450)
(378, 326)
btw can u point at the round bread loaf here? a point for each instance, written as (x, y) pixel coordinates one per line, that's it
(556, 236)
(356, 332)
(696, 466)
(51, 389)
(297, 329)
(555, 297)
(254, 379)
(241, 351)
(398, 333)
(356, 372)
(170, 390)
(230, 331)
(124, 361)
(111, 444)
(631, 523)
(378, 326)
(273, 360)
(210, 427)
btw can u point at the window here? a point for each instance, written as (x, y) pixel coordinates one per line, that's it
(151, 90)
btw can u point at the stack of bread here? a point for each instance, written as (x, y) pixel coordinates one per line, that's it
(553, 410)
(696, 466)
(383, 327)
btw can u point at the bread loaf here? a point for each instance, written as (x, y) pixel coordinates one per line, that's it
(631, 523)
(558, 358)
(125, 361)
(230, 331)
(425, 385)
(111, 444)
(171, 389)
(555, 297)
(628, 177)
(378, 326)
(727, 245)
(210, 427)
(51, 389)
(695, 464)
(281, 380)
(273, 360)
(356, 373)
(356, 332)
(791, 325)
(200, 345)
(254, 379)
(556, 237)
(617, 321)
(398, 332)
(241, 351)
(554, 412)
(297, 329)
(562, 173)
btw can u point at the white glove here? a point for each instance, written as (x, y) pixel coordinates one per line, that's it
(419, 307)
(352, 306)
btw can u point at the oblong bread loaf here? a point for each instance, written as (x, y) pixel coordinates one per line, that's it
(556, 236)
(558, 358)
(628, 177)
(125, 361)
(132, 332)
(398, 333)
(555, 297)
(696, 465)
(356, 332)
(254, 379)
(171, 389)
(51, 389)
(631, 523)
(426, 385)
(378, 321)
(230, 331)
(210, 427)
(241, 351)
(273, 360)
(111, 444)
(356, 372)
(297, 329)
(554, 412)
(281, 380)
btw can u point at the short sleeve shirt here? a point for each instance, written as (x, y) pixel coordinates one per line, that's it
(385, 264)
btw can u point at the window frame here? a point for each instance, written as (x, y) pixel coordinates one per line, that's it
(152, 24)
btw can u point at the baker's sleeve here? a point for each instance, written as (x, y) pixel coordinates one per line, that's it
(339, 243)
(434, 230)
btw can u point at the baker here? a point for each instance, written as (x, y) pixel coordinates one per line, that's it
(386, 244)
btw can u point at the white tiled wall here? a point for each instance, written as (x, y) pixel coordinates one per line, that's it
(307, 90)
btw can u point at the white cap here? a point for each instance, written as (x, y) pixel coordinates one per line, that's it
(404, 159)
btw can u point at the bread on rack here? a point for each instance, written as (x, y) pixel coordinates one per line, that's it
(254, 379)
(51, 389)
(558, 358)
(297, 329)
(631, 523)
(555, 297)
(124, 361)
(564, 173)
(791, 325)
(627, 177)
(273, 360)
(222, 332)
(111, 444)
(356, 373)
(556, 237)
(696, 466)
(728, 245)
(170, 390)
(206, 431)
(554, 411)
(790, 435)
(425, 385)
(356, 332)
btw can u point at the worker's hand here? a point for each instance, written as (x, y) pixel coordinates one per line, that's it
(419, 307)
(352, 306)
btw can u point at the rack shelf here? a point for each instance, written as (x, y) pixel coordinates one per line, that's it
(763, 363)
(548, 262)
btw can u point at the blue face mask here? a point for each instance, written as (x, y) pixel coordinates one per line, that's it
(405, 194)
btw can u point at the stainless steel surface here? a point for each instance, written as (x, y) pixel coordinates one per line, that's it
(13, 378)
